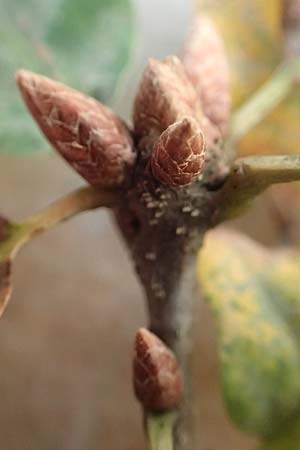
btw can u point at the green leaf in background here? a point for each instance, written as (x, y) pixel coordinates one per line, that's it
(254, 294)
(289, 439)
(85, 44)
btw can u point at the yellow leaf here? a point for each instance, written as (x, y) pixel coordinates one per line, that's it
(254, 295)
(252, 35)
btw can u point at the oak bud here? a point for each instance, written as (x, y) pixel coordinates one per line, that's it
(206, 64)
(165, 95)
(179, 154)
(157, 377)
(86, 133)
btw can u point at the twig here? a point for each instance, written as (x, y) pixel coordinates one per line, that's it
(252, 175)
(265, 99)
(160, 430)
(17, 234)
(83, 199)
(74, 203)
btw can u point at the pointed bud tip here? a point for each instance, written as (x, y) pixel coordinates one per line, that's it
(173, 61)
(22, 74)
(189, 126)
(31, 81)
(25, 78)
(144, 338)
(142, 333)
(170, 60)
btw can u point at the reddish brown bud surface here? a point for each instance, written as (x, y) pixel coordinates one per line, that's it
(87, 134)
(165, 95)
(206, 64)
(157, 378)
(179, 154)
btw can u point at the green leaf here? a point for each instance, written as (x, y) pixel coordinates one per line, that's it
(289, 439)
(83, 44)
(254, 294)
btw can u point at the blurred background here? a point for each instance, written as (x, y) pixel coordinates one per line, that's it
(66, 337)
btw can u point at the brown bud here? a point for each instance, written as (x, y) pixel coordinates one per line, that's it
(179, 154)
(157, 378)
(87, 134)
(206, 64)
(165, 95)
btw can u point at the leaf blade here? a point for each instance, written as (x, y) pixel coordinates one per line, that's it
(85, 46)
(258, 351)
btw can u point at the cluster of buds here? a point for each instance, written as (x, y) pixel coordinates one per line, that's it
(183, 109)
(180, 111)
(156, 376)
